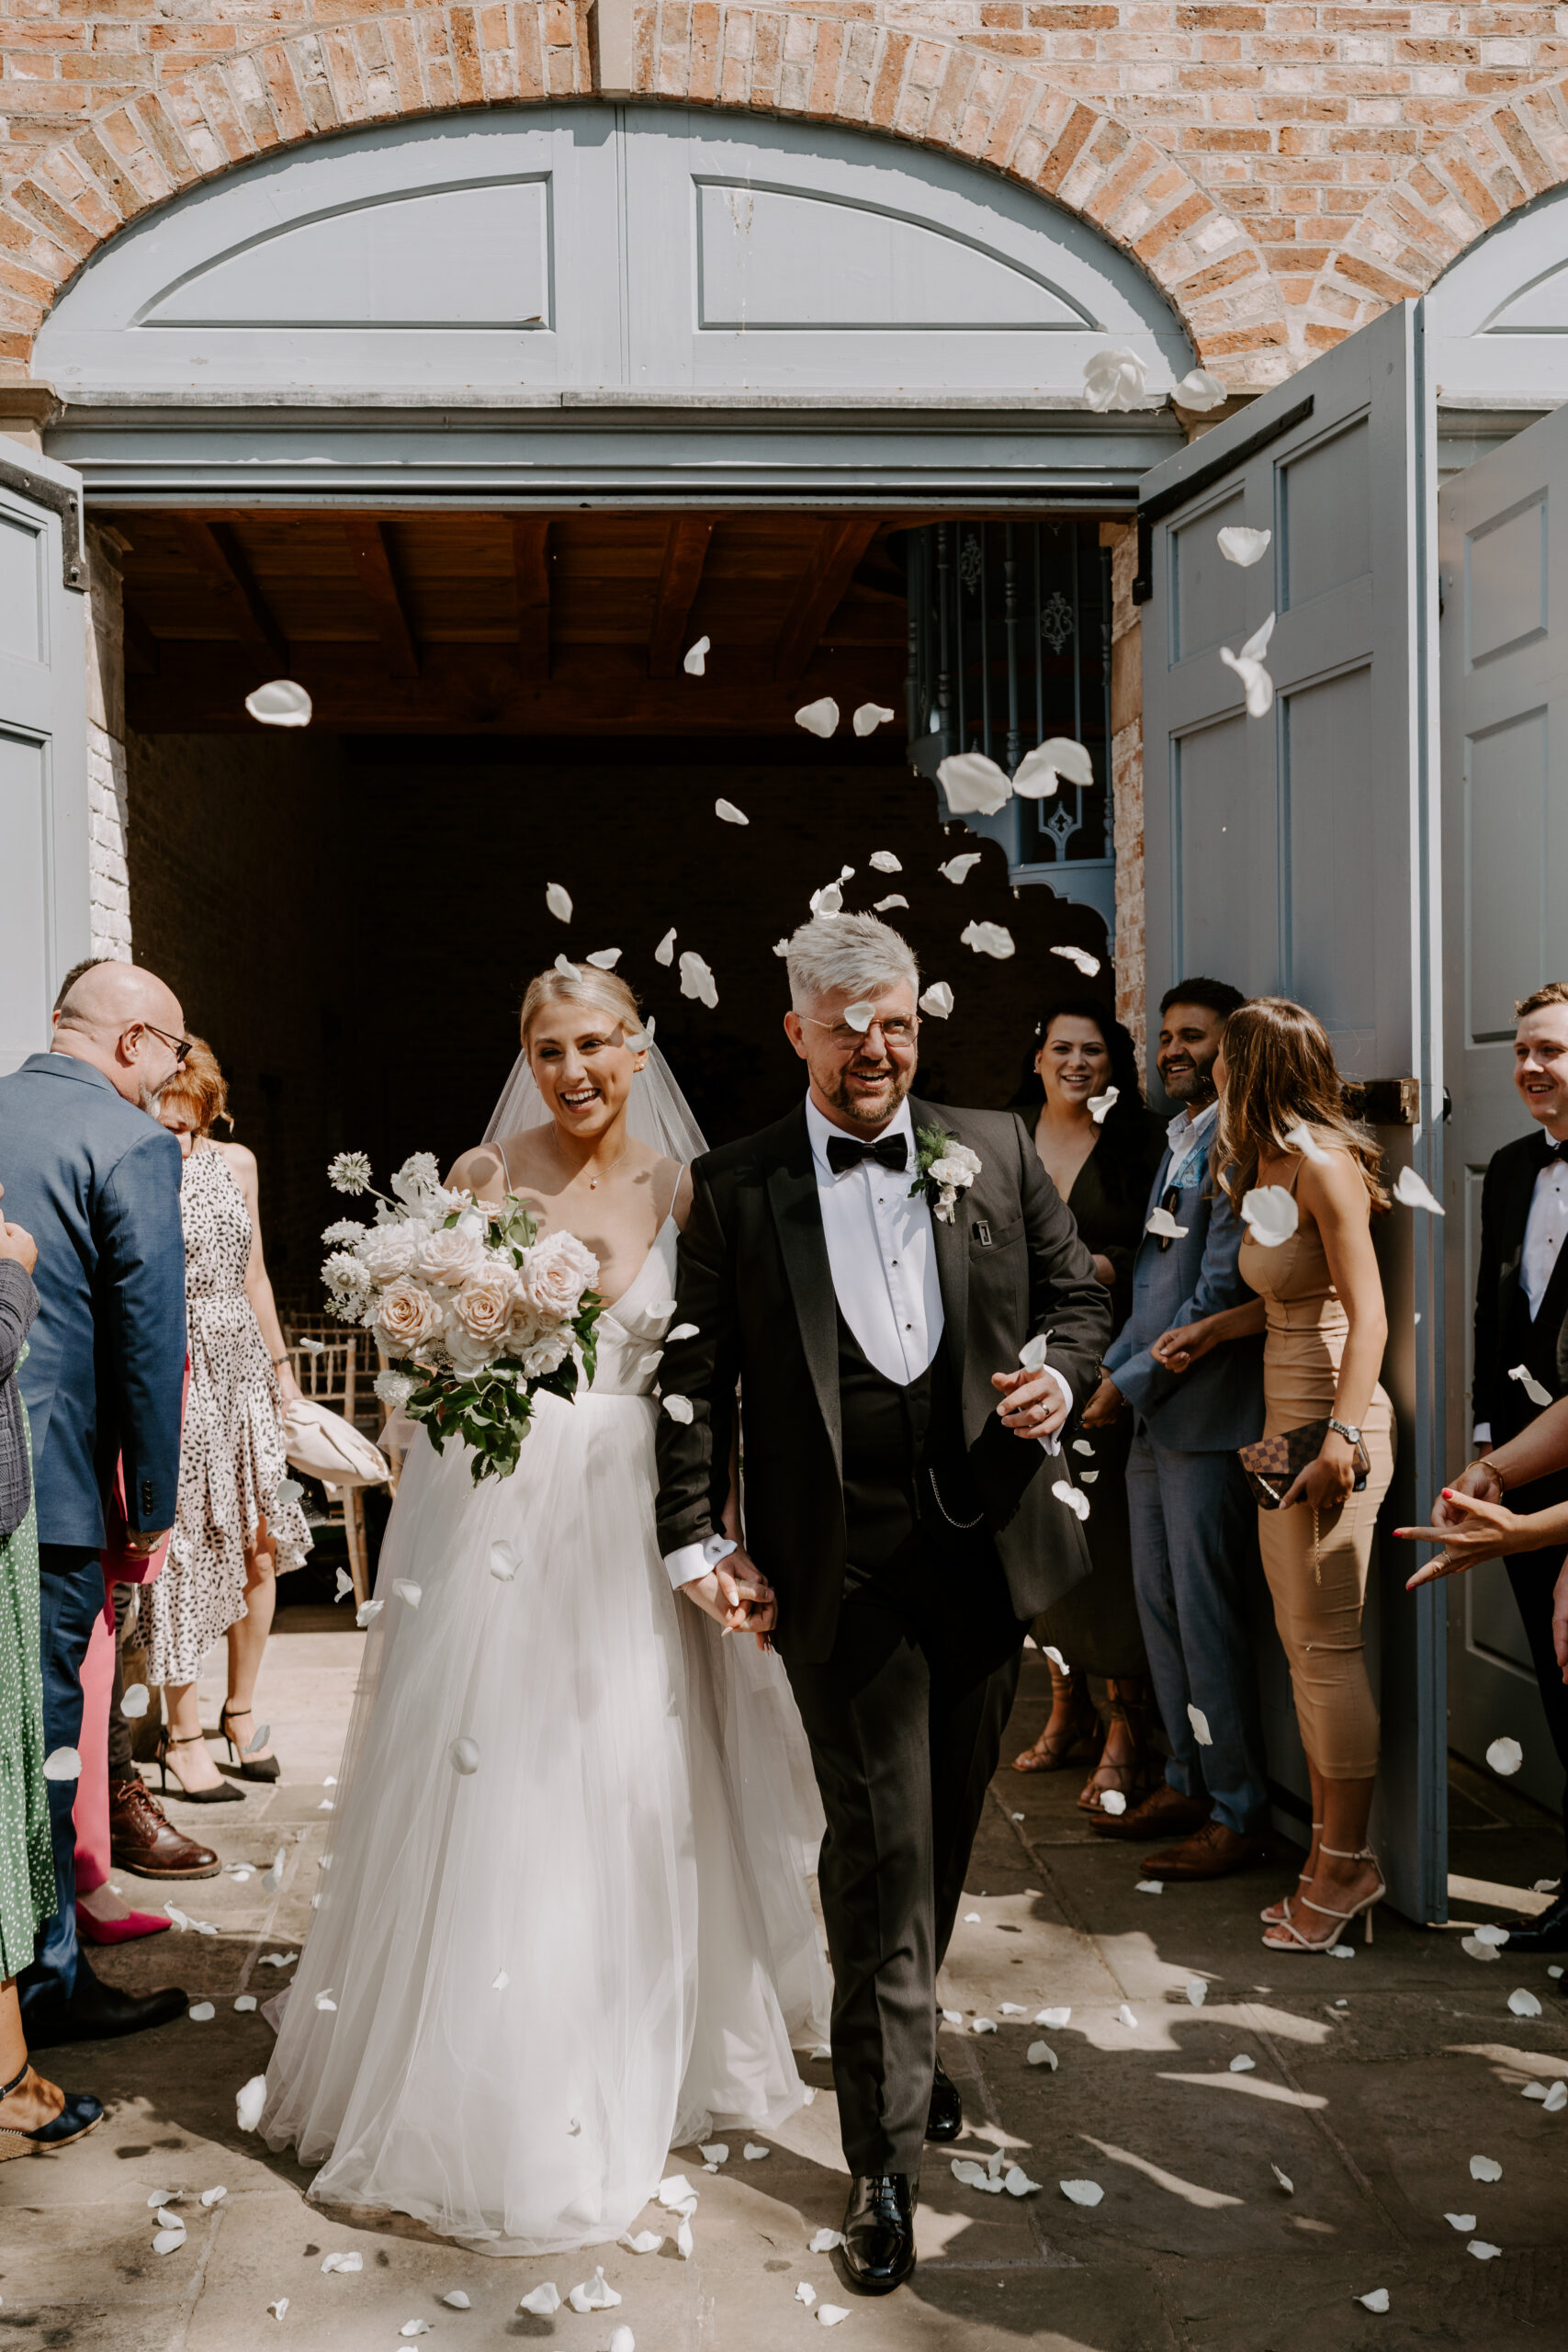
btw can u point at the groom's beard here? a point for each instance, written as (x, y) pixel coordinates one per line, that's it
(870, 1111)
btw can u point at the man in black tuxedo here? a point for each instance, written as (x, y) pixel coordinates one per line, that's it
(907, 1509)
(1521, 1318)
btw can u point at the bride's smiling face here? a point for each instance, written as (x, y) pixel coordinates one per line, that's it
(582, 1067)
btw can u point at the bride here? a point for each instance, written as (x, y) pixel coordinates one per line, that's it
(523, 1987)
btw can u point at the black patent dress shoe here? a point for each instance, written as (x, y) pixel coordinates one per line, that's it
(99, 2012)
(1546, 1932)
(879, 2232)
(946, 2120)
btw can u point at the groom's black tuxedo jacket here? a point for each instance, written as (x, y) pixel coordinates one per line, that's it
(755, 1280)
(1505, 1334)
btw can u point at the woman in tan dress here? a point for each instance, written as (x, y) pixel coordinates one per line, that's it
(1282, 1125)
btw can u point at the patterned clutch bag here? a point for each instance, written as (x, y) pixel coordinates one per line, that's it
(1274, 1463)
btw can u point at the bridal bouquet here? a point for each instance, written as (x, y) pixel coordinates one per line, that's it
(476, 1312)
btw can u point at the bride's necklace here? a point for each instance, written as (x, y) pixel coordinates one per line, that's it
(593, 1181)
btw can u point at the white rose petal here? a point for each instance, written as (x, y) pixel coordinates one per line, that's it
(860, 1016)
(1485, 2169)
(729, 814)
(1459, 2221)
(279, 2308)
(1416, 1192)
(1200, 1722)
(170, 2220)
(565, 966)
(1240, 546)
(1160, 1221)
(830, 2314)
(1056, 2018)
(1150, 1886)
(1198, 389)
(346, 2262)
(1032, 1354)
(250, 2102)
(1258, 686)
(676, 2192)
(464, 1755)
(805, 2293)
(1081, 2192)
(937, 1001)
(168, 2241)
(755, 2152)
(458, 2300)
(604, 959)
(685, 2243)
(502, 1562)
(366, 1612)
(1481, 2251)
(543, 2300)
(665, 951)
(1076, 1503)
(698, 980)
(988, 939)
(1377, 2300)
(594, 2294)
(1039, 771)
(972, 1920)
(63, 1764)
(280, 703)
(957, 868)
(1523, 2003)
(869, 717)
(1197, 1992)
(1112, 1800)
(622, 2340)
(825, 2240)
(679, 1408)
(695, 661)
(1533, 1390)
(325, 2001)
(1286, 2183)
(135, 1700)
(1302, 1140)
(1556, 2097)
(1114, 378)
(644, 2241)
(558, 901)
(1243, 2064)
(1269, 1213)
(1017, 2183)
(985, 2025)
(973, 785)
(828, 900)
(415, 2327)
(1039, 2053)
(406, 1589)
(1478, 1947)
(199, 2011)
(818, 717)
(884, 906)
(684, 1331)
(1086, 964)
(884, 862)
(244, 2001)
(1124, 2015)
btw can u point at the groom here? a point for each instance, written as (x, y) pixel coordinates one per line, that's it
(900, 1468)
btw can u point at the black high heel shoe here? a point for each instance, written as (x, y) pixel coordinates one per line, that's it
(81, 2114)
(224, 1793)
(252, 1768)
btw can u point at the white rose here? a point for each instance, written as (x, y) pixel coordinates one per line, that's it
(451, 1256)
(483, 1308)
(953, 1172)
(555, 1271)
(544, 1355)
(469, 1354)
(407, 1318)
(389, 1251)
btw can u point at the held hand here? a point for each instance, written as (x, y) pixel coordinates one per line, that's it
(289, 1388)
(1105, 1406)
(1479, 1480)
(1033, 1406)
(146, 1541)
(17, 1242)
(1471, 1529)
(736, 1595)
(1326, 1482)
(1180, 1348)
(1560, 1619)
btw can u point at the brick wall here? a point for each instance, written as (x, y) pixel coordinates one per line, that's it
(1281, 168)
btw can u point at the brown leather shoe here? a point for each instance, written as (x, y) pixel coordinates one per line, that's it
(142, 1838)
(1163, 1813)
(1213, 1851)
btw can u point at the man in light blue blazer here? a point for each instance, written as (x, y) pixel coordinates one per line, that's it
(97, 1181)
(1193, 1520)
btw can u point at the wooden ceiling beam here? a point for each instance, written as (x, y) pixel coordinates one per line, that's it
(215, 550)
(531, 572)
(685, 552)
(840, 545)
(373, 561)
(140, 645)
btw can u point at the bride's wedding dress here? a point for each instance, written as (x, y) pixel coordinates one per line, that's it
(598, 1943)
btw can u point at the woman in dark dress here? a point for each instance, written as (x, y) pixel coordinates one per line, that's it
(1102, 1161)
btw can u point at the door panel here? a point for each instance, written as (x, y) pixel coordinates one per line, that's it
(44, 885)
(1286, 855)
(1504, 692)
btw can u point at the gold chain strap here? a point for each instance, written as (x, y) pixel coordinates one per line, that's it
(1317, 1553)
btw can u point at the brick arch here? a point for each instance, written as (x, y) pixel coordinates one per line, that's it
(1446, 200)
(395, 64)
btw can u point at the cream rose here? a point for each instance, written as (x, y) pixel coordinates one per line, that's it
(451, 1256)
(483, 1308)
(544, 1355)
(406, 1319)
(555, 1271)
(388, 1251)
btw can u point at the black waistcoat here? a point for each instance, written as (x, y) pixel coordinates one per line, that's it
(905, 1463)
(1537, 1343)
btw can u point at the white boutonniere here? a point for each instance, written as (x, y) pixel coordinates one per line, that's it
(944, 1167)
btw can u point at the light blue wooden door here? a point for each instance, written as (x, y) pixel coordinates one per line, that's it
(44, 878)
(1293, 854)
(1505, 695)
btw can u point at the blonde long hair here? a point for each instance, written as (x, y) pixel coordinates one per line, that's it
(1279, 1074)
(584, 984)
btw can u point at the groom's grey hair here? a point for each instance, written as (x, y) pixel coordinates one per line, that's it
(853, 954)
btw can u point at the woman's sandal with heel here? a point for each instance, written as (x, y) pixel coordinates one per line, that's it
(1363, 1910)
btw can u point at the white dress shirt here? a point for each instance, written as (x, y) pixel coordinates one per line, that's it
(882, 1256)
(1184, 1136)
(1544, 1229)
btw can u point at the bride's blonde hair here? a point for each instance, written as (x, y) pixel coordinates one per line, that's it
(585, 985)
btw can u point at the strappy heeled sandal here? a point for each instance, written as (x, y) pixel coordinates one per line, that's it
(252, 1768)
(1132, 1716)
(1277, 1915)
(1053, 1754)
(1363, 1910)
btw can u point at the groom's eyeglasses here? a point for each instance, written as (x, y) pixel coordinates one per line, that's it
(898, 1035)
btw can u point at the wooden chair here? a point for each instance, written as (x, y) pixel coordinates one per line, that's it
(328, 1372)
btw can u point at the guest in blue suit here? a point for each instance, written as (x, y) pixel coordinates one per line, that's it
(97, 1181)
(1193, 1520)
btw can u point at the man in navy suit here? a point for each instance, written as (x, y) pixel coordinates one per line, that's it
(97, 1181)
(1193, 1521)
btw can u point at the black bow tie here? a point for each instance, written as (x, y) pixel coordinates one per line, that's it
(890, 1151)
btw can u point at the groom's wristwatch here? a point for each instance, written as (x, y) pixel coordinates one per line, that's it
(1351, 1435)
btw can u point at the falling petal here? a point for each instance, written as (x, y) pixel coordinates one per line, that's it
(1481, 2251)
(622, 2340)
(1286, 2183)
(884, 906)
(937, 1001)
(988, 939)
(644, 2241)
(344, 1585)
(985, 2025)
(502, 1562)
(1086, 964)
(456, 2299)
(134, 1703)
(1056, 2018)
(860, 1016)
(1039, 2053)
(168, 2241)
(1485, 2169)
(870, 717)
(684, 1331)
(543, 2302)
(406, 1589)
(1243, 2064)
(63, 1764)
(415, 2327)
(1258, 686)
(884, 861)
(558, 901)
(825, 2240)
(818, 717)
(1530, 1384)
(805, 2293)
(755, 2152)
(1416, 1192)
(1459, 2221)
(1269, 1215)
(1524, 2004)
(279, 2308)
(1059, 760)
(1557, 2095)
(698, 980)
(1087, 1477)
(1160, 1221)
(245, 2001)
(1301, 1138)
(1257, 645)
(1081, 2192)
(1017, 2183)
(264, 1733)
(1032, 1354)
(465, 1756)
(684, 2242)
(675, 2192)
(200, 2011)
(679, 1408)
(972, 1920)
(716, 2152)
(696, 663)
(1241, 547)
(594, 2294)
(1198, 389)
(165, 2219)
(1082, 1445)
(957, 867)
(566, 968)
(974, 785)
(278, 1959)
(325, 2001)
(499, 1983)
(1112, 1800)
(1377, 2300)
(731, 814)
(1197, 1992)
(250, 2102)
(830, 2314)
(280, 703)
(1506, 1756)
(604, 959)
(665, 951)
(1124, 2016)
(1478, 1948)
(366, 1612)
(1066, 1493)
(1114, 378)
(1200, 1722)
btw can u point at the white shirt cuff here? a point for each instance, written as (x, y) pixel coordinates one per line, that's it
(1054, 1444)
(694, 1560)
(1482, 1433)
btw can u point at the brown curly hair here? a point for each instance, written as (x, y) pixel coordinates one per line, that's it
(199, 1089)
(1279, 1074)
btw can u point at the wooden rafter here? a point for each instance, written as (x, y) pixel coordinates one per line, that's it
(839, 547)
(685, 552)
(140, 645)
(215, 549)
(531, 572)
(372, 560)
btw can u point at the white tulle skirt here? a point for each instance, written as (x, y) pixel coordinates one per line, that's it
(598, 1944)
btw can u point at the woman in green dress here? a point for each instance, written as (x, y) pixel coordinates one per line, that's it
(33, 2113)
(1101, 1156)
